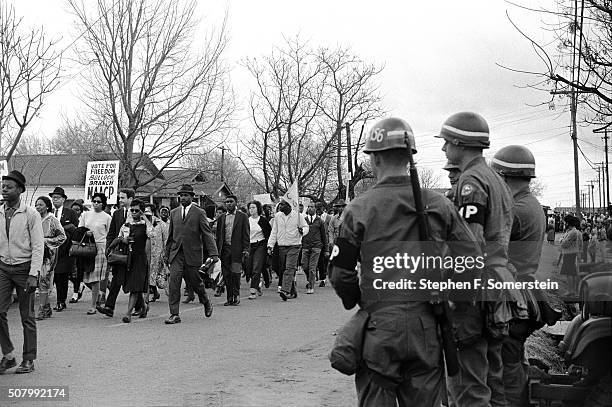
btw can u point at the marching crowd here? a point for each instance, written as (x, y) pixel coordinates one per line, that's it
(142, 249)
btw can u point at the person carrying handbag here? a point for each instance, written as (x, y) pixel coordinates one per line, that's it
(98, 223)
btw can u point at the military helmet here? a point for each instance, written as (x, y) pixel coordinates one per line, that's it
(514, 161)
(466, 129)
(388, 134)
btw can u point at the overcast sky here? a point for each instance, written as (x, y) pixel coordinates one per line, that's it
(439, 57)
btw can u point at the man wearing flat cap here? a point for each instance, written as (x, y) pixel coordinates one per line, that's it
(188, 233)
(21, 257)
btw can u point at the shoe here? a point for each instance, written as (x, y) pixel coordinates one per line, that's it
(143, 313)
(47, 310)
(208, 309)
(307, 286)
(252, 296)
(279, 289)
(74, 299)
(60, 306)
(283, 295)
(322, 283)
(236, 301)
(27, 366)
(293, 295)
(267, 285)
(127, 319)
(189, 299)
(174, 319)
(156, 296)
(105, 310)
(310, 291)
(259, 292)
(218, 292)
(228, 302)
(40, 314)
(6, 364)
(91, 311)
(135, 313)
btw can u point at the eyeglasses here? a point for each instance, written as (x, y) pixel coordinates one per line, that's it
(134, 210)
(96, 201)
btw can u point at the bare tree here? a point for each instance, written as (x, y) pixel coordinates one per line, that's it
(537, 187)
(351, 96)
(285, 110)
(159, 97)
(580, 56)
(428, 178)
(29, 72)
(80, 136)
(304, 99)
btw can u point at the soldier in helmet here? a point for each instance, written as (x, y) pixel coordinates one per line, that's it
(485, 203)
(517, 166)
(453, 176)
(402, 357)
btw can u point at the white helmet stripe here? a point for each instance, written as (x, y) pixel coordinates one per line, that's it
(512, 165)
(392, 133)
(464, 132)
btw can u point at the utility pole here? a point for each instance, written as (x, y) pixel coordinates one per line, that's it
(574, 136)
(599, 169)
(592, 197)
(223, 148)
(606, 180)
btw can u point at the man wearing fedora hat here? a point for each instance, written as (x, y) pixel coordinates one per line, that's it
(189, 233)
(21, 257)
(65, 264)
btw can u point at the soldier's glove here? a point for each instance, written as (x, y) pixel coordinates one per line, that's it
(31, 284)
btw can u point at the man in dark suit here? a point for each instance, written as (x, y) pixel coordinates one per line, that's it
(120, 216)
(233, 243)
(65, 264)
(189, 232)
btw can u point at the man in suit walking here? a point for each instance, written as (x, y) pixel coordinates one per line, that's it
(189, 232)
(120, 216)
(233, 232)
(65, 264)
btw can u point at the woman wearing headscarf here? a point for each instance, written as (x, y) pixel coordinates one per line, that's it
(54, 236)
(136, 233)
(98, 222)
(158, 243)
(571, 243)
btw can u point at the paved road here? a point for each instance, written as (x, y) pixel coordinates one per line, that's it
(264, 352)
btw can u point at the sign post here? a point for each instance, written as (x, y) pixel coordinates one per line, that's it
(102, 176)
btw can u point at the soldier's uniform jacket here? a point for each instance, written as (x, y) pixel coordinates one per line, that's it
(485, 202)
(379, 223)
(527, 236)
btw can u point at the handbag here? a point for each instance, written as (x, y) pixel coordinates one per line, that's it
(83, 249)
(118, 255)
(117, 258)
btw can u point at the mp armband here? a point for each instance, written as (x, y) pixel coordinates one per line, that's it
(344, 254)
(473, 213)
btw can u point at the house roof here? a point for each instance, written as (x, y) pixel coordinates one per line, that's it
(63, 169)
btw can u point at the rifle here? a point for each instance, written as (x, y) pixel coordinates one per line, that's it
(441, 309)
